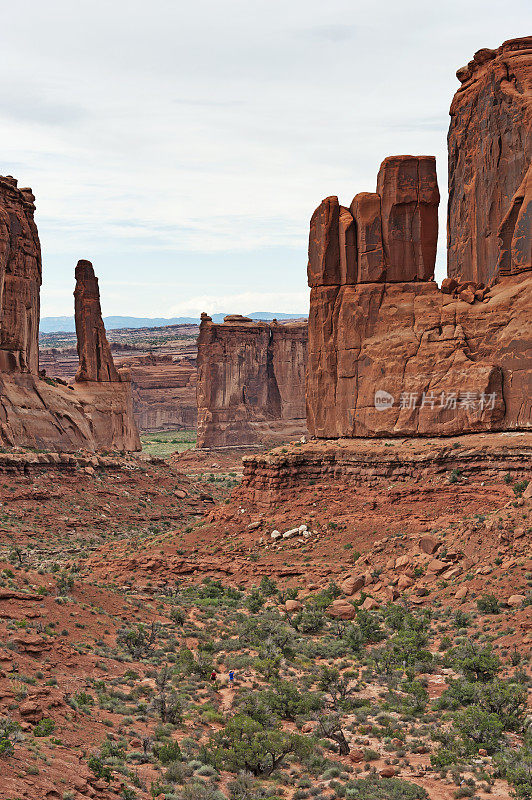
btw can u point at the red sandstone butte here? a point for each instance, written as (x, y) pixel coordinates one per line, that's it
(36, 411)
(251, 381)
(490, 150)
(442, 364)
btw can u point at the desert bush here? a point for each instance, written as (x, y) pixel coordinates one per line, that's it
(245, 745)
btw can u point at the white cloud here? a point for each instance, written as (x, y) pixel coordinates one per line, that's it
(216, 127)
(243, 303)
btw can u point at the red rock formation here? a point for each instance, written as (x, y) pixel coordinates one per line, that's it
(397, 356)
(95, 358)
(250, 382)
(490, 151)
(391, 235)
(20, 279)
(34, 412)
(446, 366)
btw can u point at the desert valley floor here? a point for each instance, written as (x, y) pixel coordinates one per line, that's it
(380, 650)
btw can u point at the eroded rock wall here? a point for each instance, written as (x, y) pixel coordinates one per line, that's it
(490, 151)
(251, 387)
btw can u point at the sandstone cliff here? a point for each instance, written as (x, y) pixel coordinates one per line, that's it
(490, 151)
(36, 411)
(391, 354)
(251, 382)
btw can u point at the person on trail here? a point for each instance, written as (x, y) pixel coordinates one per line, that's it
(231, 678)
(213, 675)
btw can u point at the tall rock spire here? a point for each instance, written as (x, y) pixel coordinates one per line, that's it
(95, 358)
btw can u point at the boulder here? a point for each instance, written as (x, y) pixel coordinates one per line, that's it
(404, 582)
(448, 285)
(388, 772)
(436, 566)
(402, 561)
(342, 609)
(369, 604)
(293, 605)
(467, 296)
(353, 584)
(428, 545)
(516, 600)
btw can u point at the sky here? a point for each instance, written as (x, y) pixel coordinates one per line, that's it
(182, 147)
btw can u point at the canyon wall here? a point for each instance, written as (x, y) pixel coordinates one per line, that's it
(164, 392)
(490, 151)
(389, 352)
(251, 382)
(94, 414)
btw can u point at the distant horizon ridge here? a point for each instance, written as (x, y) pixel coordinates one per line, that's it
(65, 324)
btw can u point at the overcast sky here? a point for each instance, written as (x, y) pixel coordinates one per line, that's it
(182, 146)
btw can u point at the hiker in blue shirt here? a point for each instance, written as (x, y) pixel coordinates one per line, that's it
(231, 678)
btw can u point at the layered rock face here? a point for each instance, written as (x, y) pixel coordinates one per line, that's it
(490, 151)
(391, 354)
(37, 412)
(251, 382)
(271, 477)
(164, 392)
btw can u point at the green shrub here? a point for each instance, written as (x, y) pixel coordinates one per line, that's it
(44, 728)
(168, 753)
(488, 604)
